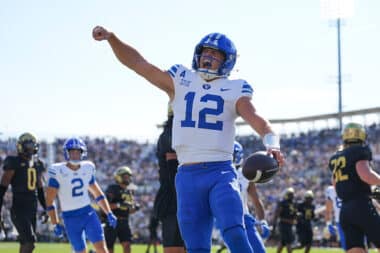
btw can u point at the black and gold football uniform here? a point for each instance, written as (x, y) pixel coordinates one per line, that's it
(305, 214)
(287, 217)
(124, 199)
(358, 216)
(25, 186)
(165, 204)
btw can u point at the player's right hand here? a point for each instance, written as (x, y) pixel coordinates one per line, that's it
(112, 220)
(58, 230)
(100, 33)
(332, 229)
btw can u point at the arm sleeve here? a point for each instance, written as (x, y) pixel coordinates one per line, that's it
(53, 183)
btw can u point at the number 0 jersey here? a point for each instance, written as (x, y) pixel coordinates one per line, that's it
(343, 166)
(25, 181)
(204, 115)
(72, 185)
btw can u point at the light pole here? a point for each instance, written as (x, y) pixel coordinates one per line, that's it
(336, 10)
(339, 77)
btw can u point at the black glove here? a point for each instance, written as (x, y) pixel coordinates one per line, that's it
(44, 217)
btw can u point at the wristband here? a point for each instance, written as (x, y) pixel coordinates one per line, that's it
(99, 198)
(271, 141)
(49, 208)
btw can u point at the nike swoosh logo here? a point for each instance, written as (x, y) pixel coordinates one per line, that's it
(224, 172)
(224, 89)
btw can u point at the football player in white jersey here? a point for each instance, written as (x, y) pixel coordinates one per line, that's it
(257, 227)
(249, 191)
(205, 105)
(333, 204)
(72, 181)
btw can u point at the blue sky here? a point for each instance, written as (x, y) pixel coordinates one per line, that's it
(57, 81)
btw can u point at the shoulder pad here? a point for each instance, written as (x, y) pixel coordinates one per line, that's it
(176, 70)
(10, 163)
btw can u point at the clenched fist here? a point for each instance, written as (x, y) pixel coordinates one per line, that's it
(100, 33)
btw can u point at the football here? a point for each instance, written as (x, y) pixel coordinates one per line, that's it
(260, 167)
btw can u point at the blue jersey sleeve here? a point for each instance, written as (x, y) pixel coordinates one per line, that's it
(53, 183)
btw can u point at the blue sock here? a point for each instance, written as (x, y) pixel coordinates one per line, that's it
(236, 240)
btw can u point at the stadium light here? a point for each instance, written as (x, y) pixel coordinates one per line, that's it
(337, 10)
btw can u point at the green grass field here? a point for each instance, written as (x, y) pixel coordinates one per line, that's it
(11, 247)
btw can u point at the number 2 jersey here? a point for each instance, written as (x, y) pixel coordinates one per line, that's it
(343, 166)
(24, 182)
(72, 185)
(204, 115)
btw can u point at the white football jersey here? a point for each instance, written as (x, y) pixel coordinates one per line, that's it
(73, 185)
(204, 115)
(243, 184)
(337, 202)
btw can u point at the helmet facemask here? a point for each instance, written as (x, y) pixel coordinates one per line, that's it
(27, 145)
(222, 44)
(74, 144)
(208, 64)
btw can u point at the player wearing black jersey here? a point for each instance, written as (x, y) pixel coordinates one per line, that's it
(353, 177)
(304, 228)
(165, 204)
(286, 212)
(24, 173)
(122, 203)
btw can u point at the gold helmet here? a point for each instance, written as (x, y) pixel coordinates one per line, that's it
(27, 145)
(289, 193)
(309, 194)
(354, 133)
(119, 175)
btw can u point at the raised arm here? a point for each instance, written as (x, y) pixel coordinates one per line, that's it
(131, 58)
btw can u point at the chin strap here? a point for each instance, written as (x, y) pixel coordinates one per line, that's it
(75, 162)
(208, 74)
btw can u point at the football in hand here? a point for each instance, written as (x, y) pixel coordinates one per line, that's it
(260, 167)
